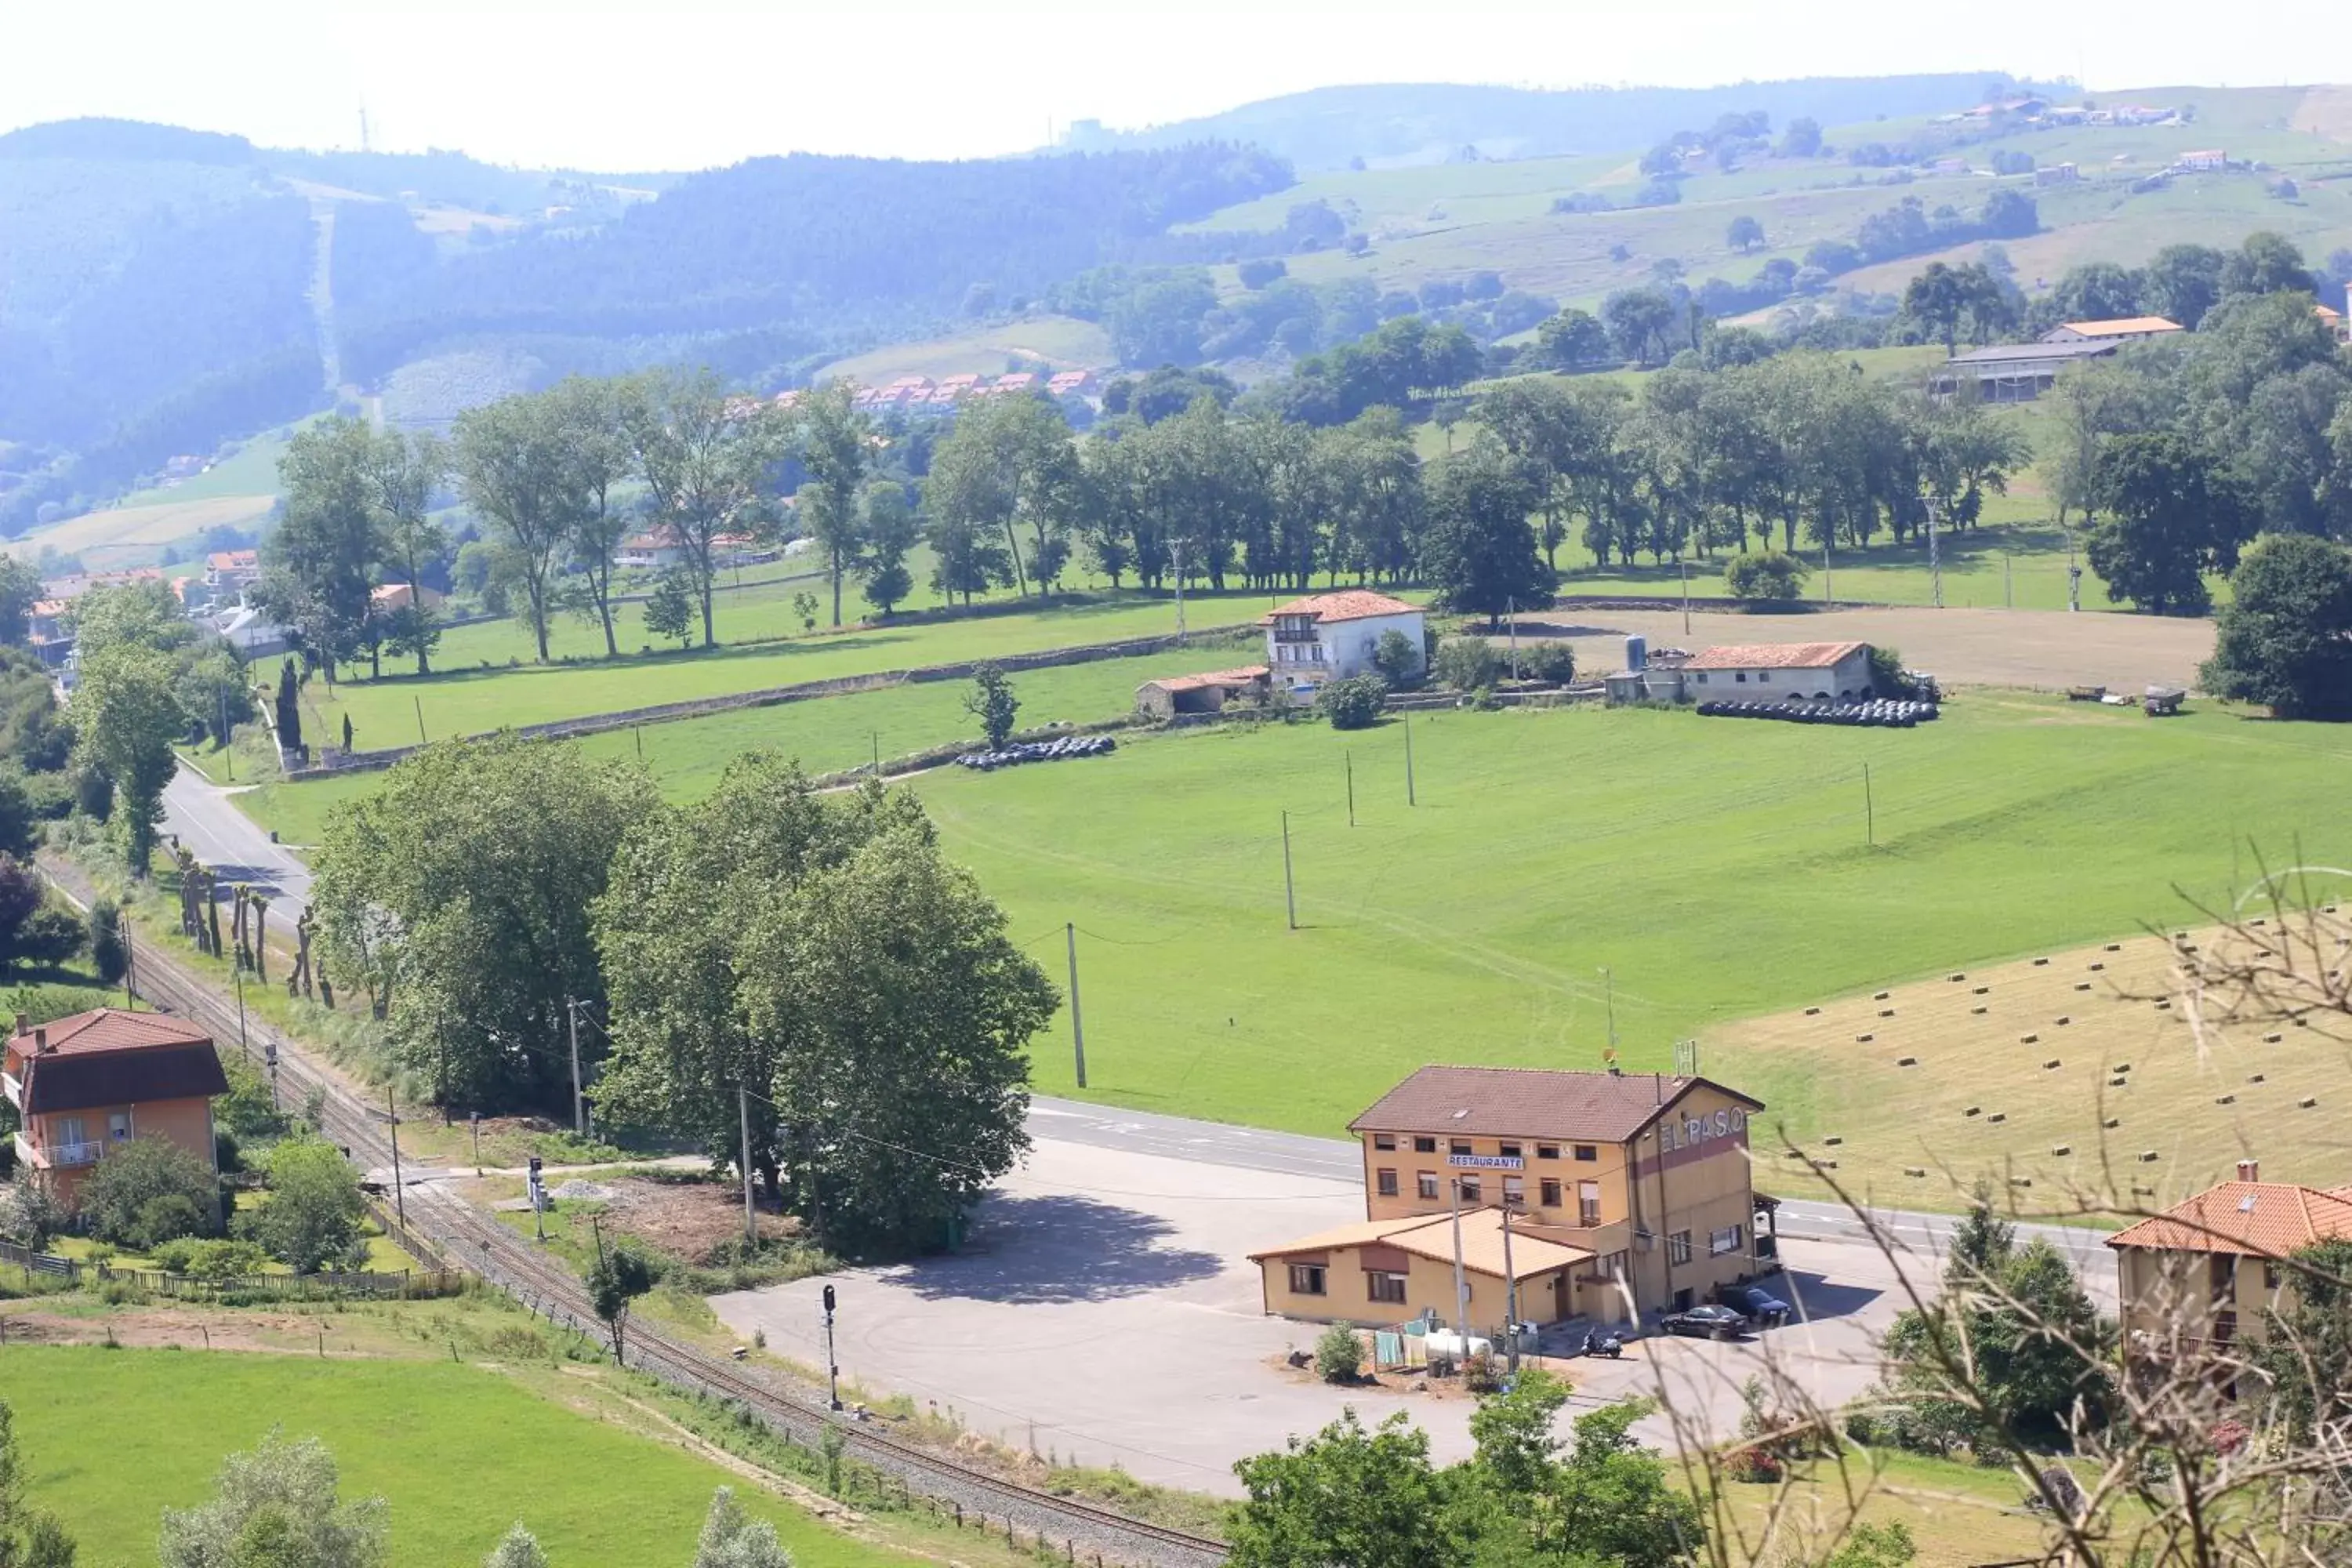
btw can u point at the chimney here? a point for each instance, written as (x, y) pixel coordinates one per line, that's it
(40, 1041)
(22, 1024)
(2250, 1169)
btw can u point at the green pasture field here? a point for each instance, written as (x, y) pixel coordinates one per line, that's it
(827, 735)
(463, 702)
(1063, 341)
(1679, 872)
(459, 1452)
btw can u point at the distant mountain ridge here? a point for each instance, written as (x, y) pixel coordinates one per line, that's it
(1326, 127)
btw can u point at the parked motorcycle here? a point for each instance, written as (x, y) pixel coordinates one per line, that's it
(1597, 1343)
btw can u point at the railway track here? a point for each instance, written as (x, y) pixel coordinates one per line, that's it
(440, 1224)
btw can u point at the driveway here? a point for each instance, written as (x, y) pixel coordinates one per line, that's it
(1105, 1312)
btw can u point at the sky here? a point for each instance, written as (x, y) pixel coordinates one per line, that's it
(617, 89)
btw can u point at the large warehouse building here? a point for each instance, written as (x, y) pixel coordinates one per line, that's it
(1612, 1195)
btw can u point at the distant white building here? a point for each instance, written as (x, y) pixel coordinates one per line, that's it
(1821, 671)
(1330, 637)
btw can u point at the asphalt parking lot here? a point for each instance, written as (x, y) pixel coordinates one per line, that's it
(1106, 1313)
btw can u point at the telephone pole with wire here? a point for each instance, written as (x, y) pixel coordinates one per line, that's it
(1078, 1024)
(579, 1105)
(744, 1116)
(1289, 890)
(399, 1191)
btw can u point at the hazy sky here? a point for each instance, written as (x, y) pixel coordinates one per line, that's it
(619, 88)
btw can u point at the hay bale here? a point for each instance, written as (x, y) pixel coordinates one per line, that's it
(1906, 1061)
(2115, 947)
(1886, 1012)
(2062, 1020)
(2164, 1004)
(1827, 1165)
(2118, 1083)
(2052, 1064)
(1863, 1039)
(1998, 1116)
(1831, 1142)
(2082, 986)
(1976, 1010)
(2225, 1099)
(2040, 962)
(2120, 1066)
(2097, 967)
(2309, 1102)
(2148, 1156)
(2254, 1078)
(2021, 1180)
(1915, 1170)
(1813, 1011)
(2028, 1039)
(2061, 1149)
(2112, 1123)
(2272, 1039)
(1959, 977)
(1972, 1110)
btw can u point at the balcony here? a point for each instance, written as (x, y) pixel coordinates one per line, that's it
(13, 1090)
(57, 1156)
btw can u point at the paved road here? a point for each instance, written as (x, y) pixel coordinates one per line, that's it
(207, 821)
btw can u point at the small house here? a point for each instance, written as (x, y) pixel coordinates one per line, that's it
(1811, 671)
(2211, 161)
(86, 1084)
(1172, 695)
(2120, 329)
(1331, 637)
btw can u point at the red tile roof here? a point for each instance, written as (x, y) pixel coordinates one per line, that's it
(1347, 605)
(110, 1057)
(1241, 677)
(234, 560)
(1530, 1103)
(2266, 1219)
(1774, 656)
(111, 1029)
(2123, 326)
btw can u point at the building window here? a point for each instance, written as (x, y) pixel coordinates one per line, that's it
(1588, 1201)
(1510, 1151)
(1426, 1184)
(1678, 1247)
(1550, 1191)
(1471, 1191)
(2225, 1327)
(1387, 1287)
(1719, 1242)
(1763, 678)
(1587, 1152)
(1384, 1139)
(1515, 1190)
(1388, 1183)
(2270, 1276)
(1306, 1279)
(1741, 677)
(1458, 1146)
(1547, 1150)
(1424, 1145)
(1702, 677)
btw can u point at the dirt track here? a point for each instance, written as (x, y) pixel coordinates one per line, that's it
(2043, 648)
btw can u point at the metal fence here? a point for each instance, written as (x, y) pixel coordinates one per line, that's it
(408, 1284)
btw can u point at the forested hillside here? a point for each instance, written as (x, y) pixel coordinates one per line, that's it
(1330, 127)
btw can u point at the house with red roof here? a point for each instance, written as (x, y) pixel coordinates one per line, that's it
(85, 1085)
(2202, 1275)
(1821, 671)
(1331, 637)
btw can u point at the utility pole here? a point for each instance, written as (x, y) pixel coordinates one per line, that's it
(1461, 1285)
(1511, 1295)
(1289, 892)
(129, 960)
(1350, 757)
(579, 1106)
(2074, 577)
(1176, 553)
(1935, 556)
(226, 750)
(2008, 600)
(1869, 811)
(1685, 566)
(1511, 616)
(877, 754)
(1078, 1024)
(238, 969)
(1609, 995)
(420, 718)
(1829, 587)
(1409, 799)
(743, 1117)
(474, 1121)
(399, 1193)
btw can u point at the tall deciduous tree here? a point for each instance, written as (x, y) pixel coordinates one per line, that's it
(2284, 640)
(20, 590)
(704, 455)
(514, 465)
(596, 418)
(891, 531)
(1008, 462)
(403, 470)
(458, 896)
(836, 447)
(1480, 552)
(126, 719)
(317, 562)
(2181, 282)
(29, 1537)
(824, 957)
(2174, 514)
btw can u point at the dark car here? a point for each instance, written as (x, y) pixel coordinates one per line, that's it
(1706, 1323)
(1766, 1310)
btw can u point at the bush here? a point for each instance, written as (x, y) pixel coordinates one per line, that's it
(1764, 576)
(312, 1218)
(1400, 659)
(29, 1215)
(1887, 676)
(212, 1258)
(147, 1192)
(1480, 1374)
(1339, 1354)
(1354, 703)
(1553, 663)
(1466, 664)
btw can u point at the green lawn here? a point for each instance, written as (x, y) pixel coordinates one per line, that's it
(827, 735)
(473, 701)
(1685, 871)
(112, 1437)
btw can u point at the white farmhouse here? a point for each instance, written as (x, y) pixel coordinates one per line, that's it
(1823, 671)
(1328, 636)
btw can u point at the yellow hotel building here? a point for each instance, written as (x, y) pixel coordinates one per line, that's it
(1612, 1196)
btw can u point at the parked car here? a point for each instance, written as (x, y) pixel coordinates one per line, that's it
(1708, 1322)
(1762, 1307)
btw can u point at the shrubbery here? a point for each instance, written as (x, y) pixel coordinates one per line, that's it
(210, 1257)
(1354, 703)
(1554, 663)
(1400, 659)
(1467, 664)
(149, 1190)
(1339, 1354)
(1765, 576)
(312, 1218)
